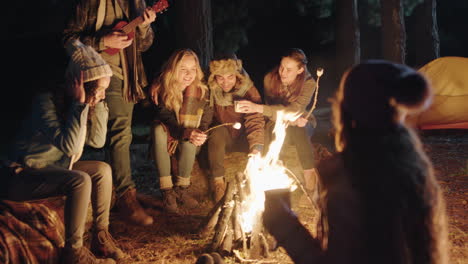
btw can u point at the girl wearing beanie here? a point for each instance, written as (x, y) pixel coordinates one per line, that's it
(182, 112)
(380, 199)
(46, 156)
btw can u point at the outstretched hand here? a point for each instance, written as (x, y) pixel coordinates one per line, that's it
(246, 106)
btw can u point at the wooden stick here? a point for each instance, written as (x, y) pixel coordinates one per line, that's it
(240, 180)
(226, 245)
(221, 125)
(255, 243)
(236, 221)
(211, 220)
(319, 73)
(224, 217)
(265, 247)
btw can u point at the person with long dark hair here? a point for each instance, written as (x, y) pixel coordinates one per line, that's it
(380, 200)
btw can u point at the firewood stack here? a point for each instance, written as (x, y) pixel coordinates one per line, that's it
(224, 223)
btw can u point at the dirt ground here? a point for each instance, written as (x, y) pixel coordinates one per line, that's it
(175, 238)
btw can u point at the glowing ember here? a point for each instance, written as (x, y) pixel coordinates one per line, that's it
(266, 173)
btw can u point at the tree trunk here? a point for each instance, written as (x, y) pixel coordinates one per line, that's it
(194, 28)
(426, 43)
(393, 31)
(348, 43)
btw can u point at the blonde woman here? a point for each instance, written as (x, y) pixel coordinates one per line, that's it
(182, 114)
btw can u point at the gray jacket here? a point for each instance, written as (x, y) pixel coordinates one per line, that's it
(45, 140)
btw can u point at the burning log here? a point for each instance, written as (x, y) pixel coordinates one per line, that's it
(224, 223)
(236, 220)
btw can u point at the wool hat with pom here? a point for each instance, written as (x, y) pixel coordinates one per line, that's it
(85, 59)
(375, 89)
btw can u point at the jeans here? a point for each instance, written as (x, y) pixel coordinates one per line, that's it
(87, 181)
(119, 136)
(186, 153)
(220, 141)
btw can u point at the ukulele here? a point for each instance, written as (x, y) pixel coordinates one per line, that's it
(129, 28)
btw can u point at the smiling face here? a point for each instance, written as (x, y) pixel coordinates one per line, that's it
(289, 69)
(226, 81)
(186, 71)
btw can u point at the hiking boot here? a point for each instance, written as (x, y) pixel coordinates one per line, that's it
(103, 244)
(185, 198)
(218, 187)
(205, 259)
(130, 209)
(170, 201)
(82, 256)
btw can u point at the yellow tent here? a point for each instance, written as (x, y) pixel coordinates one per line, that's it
(449, 109)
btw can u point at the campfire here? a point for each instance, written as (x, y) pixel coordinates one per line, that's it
(236, 220)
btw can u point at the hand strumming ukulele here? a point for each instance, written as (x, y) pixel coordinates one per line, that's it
(129, 28)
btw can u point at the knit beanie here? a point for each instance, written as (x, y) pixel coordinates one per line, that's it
(374, 89)
(85, 59)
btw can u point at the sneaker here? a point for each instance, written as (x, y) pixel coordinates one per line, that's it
(82, 256)
(185, 198)
(170, 201)
(103, 244)
(130, 209)
(218, 187)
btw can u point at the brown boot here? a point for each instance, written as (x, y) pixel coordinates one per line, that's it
(103, 244)
(82, 256)
(170, 201)
(218, 186)
(185, 198)
(130, 209)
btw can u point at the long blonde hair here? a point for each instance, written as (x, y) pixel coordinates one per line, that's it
(166, 83)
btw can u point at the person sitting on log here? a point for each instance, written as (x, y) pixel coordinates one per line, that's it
(229, 82)
(380, 199)
(182, 113)
(45, 160)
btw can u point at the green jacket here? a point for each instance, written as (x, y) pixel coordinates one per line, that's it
(45, 140)
(82, 24)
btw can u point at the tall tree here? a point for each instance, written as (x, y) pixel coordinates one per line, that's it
(347, 35)
(425, 33)
(393, 31)
(193, 27)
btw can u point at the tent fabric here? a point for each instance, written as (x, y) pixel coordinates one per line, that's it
(449, 109)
